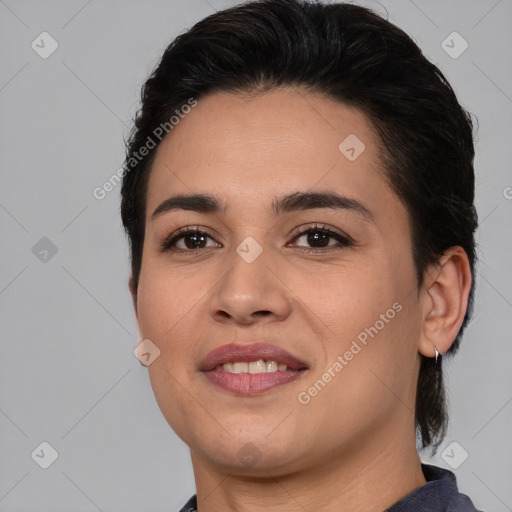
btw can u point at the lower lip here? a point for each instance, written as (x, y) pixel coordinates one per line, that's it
(251, 383)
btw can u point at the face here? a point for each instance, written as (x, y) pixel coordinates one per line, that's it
(294, 251)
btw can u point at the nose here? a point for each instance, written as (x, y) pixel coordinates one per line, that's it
(250, 292)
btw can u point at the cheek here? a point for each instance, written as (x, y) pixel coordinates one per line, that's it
(165, 300)
(351, 297)
(370, 343)
(166, 317)
(379, 313)
(368, 381)
(168, 309)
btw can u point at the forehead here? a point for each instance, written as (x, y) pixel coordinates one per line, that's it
(250, 148)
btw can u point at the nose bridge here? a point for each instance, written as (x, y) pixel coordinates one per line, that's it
(249, 288)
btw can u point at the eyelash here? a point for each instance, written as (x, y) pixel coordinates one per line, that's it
(343, 240)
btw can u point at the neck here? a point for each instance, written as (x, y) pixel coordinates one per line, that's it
(372, 475)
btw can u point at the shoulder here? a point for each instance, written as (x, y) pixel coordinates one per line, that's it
(191, 505)
(439, 494)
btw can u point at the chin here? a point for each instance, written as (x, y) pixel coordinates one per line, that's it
(249, 453)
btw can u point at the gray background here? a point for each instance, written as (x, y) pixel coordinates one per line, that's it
(67, 372)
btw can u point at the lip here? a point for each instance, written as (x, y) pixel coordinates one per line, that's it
(247, 384)
(233, 352)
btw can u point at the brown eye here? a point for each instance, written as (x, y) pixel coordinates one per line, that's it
(318, 238)
(188, 240)
(194, 241)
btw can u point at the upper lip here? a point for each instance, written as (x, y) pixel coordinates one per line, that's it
(233, 352)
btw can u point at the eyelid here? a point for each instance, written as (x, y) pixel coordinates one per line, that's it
(172, 238)
(343, 238)
(301, 230)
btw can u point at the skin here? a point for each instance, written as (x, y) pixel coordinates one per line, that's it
(352, 447)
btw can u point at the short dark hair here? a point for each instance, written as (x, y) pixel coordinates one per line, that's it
(352, 55)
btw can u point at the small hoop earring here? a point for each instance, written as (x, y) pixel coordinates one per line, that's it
(437, 352)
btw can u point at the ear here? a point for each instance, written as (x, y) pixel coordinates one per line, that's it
(133, 291)
(444, 301)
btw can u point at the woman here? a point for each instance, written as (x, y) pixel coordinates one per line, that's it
(298, 195)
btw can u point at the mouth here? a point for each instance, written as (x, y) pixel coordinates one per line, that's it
(251, 369)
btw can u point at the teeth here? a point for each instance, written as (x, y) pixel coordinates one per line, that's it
(240, 367)
(259, 366)
(271, 366)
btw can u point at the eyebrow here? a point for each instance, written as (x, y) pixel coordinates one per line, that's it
(204, 203)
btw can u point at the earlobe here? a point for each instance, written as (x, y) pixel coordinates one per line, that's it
(133, 291)
(444, 300)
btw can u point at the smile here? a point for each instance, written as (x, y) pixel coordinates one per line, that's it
(253, 367)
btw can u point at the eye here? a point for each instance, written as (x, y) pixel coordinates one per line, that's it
(188, 240)
(316, 238)
(321, 239)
